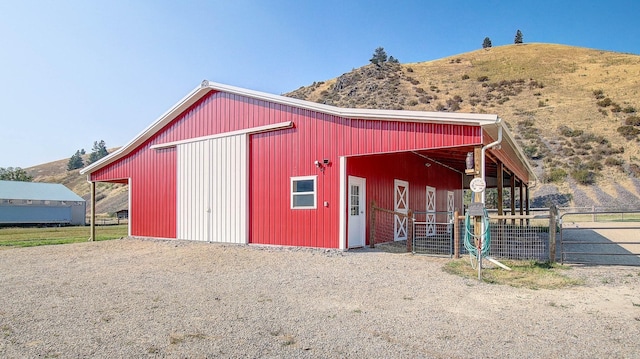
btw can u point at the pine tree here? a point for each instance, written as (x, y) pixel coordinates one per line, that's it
(518, 39)
(14, 174)
(379, 57)
(75, 161)
(486, 43)
(98, 151)
(393, 60)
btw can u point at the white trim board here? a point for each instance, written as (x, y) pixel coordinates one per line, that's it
(252, 130)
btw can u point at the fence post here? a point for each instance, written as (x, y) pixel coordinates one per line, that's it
(553, 212)
(593, 215)
(410, 237)
(456, 235)
(372, 230)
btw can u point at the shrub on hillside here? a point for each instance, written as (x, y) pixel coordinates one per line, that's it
(634, 169)
(632, 121)
(605, 102)
(483, 78)
(566, 131)
(583, 176)
(465, 77)
(555, 175)
(628, 132)
(629, 109)
(599, 94)
(614, 161)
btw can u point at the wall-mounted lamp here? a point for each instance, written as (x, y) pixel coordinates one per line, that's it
(323, 164)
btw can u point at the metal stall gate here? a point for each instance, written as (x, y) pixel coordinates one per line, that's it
(433, 233)
(605, 238)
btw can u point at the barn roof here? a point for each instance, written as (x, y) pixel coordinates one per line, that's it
(489, 122)
(37, 191)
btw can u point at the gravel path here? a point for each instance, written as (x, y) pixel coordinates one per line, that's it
(152, 298)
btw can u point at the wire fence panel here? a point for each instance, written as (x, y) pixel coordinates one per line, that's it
(513, 240)
(433, 238)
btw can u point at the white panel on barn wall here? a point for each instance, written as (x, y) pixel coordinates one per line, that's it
(194, 205)
(229, 195)
(213, 192)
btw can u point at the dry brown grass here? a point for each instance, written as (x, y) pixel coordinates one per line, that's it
(569, 75)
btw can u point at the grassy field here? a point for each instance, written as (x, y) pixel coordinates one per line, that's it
(30, 237)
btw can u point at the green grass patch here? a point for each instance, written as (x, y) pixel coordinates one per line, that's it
(30, 237)
(524, 274)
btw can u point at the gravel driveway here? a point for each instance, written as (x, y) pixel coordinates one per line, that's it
(152, 298)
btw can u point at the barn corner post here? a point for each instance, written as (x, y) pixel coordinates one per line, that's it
(92, 235)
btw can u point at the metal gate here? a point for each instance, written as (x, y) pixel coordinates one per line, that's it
(605, 238)
(433, 235)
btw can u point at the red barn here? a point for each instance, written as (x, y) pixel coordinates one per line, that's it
(227, 164)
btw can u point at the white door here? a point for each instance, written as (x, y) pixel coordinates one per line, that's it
(431, 211)
(401, 200)
(357, 212)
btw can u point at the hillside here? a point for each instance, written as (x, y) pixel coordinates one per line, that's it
(109, 197)
(573, 110)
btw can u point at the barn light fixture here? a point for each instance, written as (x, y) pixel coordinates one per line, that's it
(323, 164)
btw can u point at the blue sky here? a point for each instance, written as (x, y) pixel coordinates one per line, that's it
(73, 72)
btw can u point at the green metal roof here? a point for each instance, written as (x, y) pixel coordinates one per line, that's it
(36, 191)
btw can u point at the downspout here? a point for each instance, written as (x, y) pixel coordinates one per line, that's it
(482, 156)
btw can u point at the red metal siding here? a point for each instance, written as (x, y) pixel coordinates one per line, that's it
(278, 156)
(274, 158)
(381, 171)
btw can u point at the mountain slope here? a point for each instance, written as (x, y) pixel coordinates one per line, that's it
(564, 104)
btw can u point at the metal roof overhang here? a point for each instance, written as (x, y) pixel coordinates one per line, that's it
(514, 160)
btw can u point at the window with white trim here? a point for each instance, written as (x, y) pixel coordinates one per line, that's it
(303, 192)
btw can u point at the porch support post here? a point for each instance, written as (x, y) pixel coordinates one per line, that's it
(93, 211)
(527, 204)
(521, 200)
(456, 234)
(513, 197)
(500, 177)
(477, 197)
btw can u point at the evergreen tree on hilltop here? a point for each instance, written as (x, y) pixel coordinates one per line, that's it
(379, 57)
(486, 43)
(98, 151)
(75, 161)
(518, 39)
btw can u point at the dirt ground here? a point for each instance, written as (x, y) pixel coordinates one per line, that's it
(175, 299)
